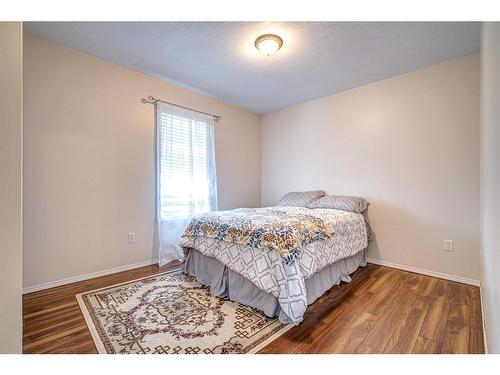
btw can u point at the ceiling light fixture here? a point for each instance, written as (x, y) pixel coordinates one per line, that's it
(268, 44)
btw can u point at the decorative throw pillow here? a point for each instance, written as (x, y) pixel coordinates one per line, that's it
(340, 202)
(300, 198)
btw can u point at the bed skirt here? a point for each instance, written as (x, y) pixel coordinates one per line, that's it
(224, 282)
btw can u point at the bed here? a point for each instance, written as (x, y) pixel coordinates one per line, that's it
(276, 259)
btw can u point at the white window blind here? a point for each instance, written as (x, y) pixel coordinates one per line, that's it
(184, 189)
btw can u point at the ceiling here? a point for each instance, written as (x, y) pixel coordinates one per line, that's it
(220, 60)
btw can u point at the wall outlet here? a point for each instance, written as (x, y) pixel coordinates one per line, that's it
(449, 245)
(131, 237)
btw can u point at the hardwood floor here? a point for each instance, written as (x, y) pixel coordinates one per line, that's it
(383, 310)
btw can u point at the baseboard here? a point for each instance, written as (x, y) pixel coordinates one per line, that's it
(74, 279)
(482, 318)
(421, 271)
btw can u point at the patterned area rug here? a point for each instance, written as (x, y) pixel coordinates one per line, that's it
(172, 313)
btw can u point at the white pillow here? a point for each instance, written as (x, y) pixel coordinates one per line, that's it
(340, 202)
(300, 198)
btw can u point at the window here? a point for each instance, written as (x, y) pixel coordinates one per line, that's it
(184, 185)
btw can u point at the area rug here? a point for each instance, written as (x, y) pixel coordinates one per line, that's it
(172, 313)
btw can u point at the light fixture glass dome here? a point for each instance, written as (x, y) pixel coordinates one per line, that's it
(268, 44)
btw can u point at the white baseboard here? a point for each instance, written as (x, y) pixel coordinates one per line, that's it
(482, 318)
(74, 279)
(421, 271)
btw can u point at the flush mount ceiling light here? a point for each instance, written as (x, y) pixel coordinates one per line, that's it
(268, 44)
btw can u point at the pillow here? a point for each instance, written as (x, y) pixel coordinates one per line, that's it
(340, 202)
(300, 198)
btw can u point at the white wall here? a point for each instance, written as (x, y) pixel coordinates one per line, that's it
(88, 158)
(409, 144)
(490, 181)
(10, 187)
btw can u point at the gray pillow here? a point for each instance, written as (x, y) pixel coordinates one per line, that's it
(300, 198)
(340, 202)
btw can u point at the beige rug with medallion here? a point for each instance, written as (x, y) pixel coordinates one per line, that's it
(172, 313)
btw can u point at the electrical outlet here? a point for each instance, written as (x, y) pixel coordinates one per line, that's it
(449, 245)
(131, 237)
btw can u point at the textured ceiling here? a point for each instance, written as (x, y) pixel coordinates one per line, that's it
(219, 59)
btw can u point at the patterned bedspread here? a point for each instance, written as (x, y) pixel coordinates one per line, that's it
(283, 229)
(280, 273)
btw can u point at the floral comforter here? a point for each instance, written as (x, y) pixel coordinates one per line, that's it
(277, 248)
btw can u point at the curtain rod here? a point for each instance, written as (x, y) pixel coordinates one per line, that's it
(152, 100)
